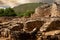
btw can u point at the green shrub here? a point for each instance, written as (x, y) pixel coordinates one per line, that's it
(25, 14)
(7, 12)
(20, 14)
(1, 12)
(28, 13)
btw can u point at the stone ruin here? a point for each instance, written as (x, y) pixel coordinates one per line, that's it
(43, 25)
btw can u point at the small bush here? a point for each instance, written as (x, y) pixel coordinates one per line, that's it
(7, 12)
(28, 13)
(1, 12)
(20, 14)
(25, 14)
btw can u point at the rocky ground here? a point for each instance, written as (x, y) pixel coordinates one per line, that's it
(38, 27)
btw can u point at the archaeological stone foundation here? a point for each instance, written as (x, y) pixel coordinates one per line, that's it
(44, 24)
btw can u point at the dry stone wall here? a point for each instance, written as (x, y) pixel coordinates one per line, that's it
(30, 28)
(30, 25)
(55, 25)
(34, 24)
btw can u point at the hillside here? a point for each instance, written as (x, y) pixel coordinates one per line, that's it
(25, 7)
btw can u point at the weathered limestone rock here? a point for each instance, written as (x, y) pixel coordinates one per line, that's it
(47, 11)
(43, 11)
(5, 32)
(54, 11)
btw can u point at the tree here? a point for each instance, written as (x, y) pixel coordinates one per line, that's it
(7, 12)
(1, 12)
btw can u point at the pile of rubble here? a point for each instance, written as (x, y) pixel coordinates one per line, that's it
(43, 25)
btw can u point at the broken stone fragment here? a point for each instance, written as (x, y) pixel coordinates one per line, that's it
(5, 32)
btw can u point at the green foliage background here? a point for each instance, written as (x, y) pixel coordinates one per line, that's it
(11, 12)
(24, 10)
(7, 12)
